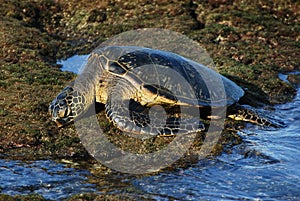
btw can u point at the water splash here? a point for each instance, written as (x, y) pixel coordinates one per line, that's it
(74, 64)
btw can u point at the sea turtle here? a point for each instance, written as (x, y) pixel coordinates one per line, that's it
(117, 76)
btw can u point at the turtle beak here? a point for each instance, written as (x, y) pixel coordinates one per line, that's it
(59, 125)
(53, 112)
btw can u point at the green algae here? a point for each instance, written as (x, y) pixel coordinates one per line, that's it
(249, 41)
(91, 197)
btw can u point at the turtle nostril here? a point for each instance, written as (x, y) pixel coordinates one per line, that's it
(55, 112)
(50, 109)
(51, 106)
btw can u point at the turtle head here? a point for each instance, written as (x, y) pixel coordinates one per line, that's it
(67, 105)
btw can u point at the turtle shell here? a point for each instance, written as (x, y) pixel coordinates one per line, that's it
(163, 73)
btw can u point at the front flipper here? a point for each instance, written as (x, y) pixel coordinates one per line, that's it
(244, 113)
(132, 117)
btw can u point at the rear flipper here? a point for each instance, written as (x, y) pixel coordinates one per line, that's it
(245, 113)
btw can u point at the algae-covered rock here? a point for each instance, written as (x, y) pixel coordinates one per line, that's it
(250, 42)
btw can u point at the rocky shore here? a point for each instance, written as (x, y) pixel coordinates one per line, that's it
(249, 41)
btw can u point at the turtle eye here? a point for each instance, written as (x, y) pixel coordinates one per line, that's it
(62, 103)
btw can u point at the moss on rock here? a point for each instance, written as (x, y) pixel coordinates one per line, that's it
(250, 42)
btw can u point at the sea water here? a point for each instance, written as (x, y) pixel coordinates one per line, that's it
(52, 180)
